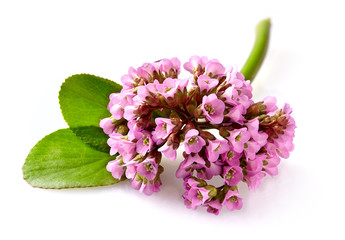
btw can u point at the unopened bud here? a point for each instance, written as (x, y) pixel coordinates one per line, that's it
(142, 123)
(175, 120)
(197, 112)
(212, 190)
(207, 135)
(122, 129)
(224, 132)
(255, 110)
(190, 108)
(174, 140)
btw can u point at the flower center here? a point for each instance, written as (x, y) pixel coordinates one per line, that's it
(209, 108)
(167, 89)
(165, 126)
(193, 140)
(238, 137)
(233, 198)
(217, 149)
(146, 141)
(149, 167)
(230, 174)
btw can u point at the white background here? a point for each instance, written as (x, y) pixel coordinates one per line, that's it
(44, 42)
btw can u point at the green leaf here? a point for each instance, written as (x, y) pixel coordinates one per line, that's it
(84, 99)
(93, 136)
(62, 160)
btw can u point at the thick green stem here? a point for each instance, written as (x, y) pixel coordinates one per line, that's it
(258, 53)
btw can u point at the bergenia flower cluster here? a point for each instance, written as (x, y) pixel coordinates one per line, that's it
(156, 112)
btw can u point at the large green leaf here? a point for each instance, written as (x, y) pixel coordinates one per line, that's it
(63, 160)
(83, 102)
(84, 99)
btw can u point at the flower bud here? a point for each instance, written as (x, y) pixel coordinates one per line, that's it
(197, 112)
(223, 131)
(122, 129)
(175, 121)
(255, 110)
(190, 107)
(174, 140)
(207, 135)
(212, 190)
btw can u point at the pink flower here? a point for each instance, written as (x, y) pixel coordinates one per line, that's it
(119, 144)
(250, 149)
(256, 134)
(108, 125)
(236, 78)
(127, 150)
(114, 99)
(195, 196)
(281, 130)
(213, 108)
(194, 162)
(206, 83)
(168, 87)
(238, 138)
(130, 113)
(183, 173)
(214, 68)
(144, 143)
(232, 175)
(148, 188)
(236, 114)
(247, 89)
(116, 168)
(148, 169)
(233, 201)
(131, 169)
(214, 206)
(255, 165)
(270, 103)
(253, 180)
(117, 111)
(216, 148)
(236, 95)
(231, 95)
(182, 84)
(168, 151)
(128, 80)
(195, 63)
(146, 71)
(259, 136)
(164, 128)
(232, 158)
(170, 66)
(270, 165)
(114, 142)
(193, 142)
(209, 172)
(146, 93)
(133, 128)
(124, 98)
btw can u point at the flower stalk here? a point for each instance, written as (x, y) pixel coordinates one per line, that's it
(258, 53)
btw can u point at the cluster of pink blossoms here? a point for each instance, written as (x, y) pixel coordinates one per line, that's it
(156, 112)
